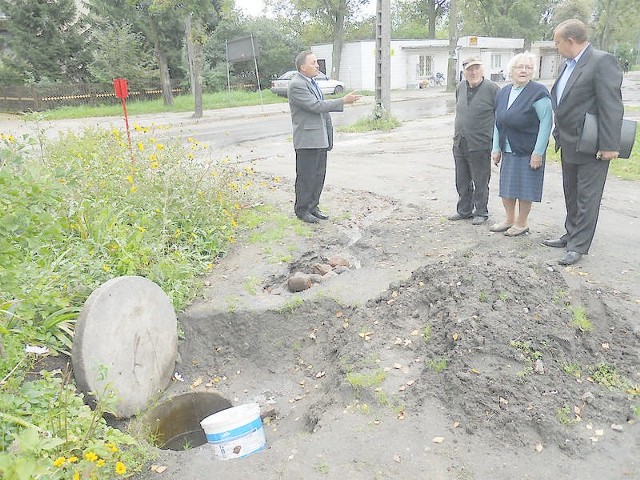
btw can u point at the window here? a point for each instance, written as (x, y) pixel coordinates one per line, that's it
(496, 60)
(425, 67)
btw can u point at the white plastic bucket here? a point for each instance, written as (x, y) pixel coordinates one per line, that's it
(235, 432)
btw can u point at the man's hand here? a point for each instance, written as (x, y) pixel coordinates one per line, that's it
(607, 155)
(351, 97)
(496, 157)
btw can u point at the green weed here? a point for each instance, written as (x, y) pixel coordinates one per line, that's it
(360, 381)
(573, 369)
(292, 304)
(565, 415)
(606, 375)
(426, 332)
(580, 321)
(437, 364)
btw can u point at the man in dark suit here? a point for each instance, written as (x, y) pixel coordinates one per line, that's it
(312, 134)
(589, 82)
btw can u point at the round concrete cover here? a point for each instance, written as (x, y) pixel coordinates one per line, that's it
(126, 340)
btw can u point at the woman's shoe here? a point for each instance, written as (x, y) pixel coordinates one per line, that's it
(516, 230)
(500, 227)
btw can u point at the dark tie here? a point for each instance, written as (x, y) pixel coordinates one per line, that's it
(315, 85)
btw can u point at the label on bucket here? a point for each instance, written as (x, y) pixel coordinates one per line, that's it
(238, 442)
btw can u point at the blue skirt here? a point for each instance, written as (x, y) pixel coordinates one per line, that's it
(519, 180)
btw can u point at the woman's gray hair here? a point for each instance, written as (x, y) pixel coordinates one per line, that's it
(519, 58)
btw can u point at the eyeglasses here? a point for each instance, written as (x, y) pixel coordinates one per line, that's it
(523, 67)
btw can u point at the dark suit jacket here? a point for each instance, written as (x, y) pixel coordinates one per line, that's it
(312, 127)
(594, 86)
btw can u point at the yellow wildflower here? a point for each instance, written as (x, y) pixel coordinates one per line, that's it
(133, 188)
(154, 165)
(159, 146)
(130, 178)
(106, 267)
(58, 462)
(100, 463)
(73, 459)
(76, 475)
(141, 146)
(153, 157)
(142, 229)
(92, 457)
(120, 468)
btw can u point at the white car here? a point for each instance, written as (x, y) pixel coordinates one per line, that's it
(327, 86)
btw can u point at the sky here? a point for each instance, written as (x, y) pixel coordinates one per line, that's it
(255, 7)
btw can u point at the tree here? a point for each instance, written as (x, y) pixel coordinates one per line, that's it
(120, 53)
(46, 41)
(329, 18)
(161, 29)
(505, 18)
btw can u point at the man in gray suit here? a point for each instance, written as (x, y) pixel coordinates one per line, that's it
(312, 134)
(589, 82)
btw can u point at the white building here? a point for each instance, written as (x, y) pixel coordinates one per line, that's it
(414, 61)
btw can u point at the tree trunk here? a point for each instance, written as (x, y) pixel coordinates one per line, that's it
(452, 70)
(431, 15)
(165, 77)
(338, 39)
(194, 33)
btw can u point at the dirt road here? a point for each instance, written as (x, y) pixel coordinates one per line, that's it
(444, 352)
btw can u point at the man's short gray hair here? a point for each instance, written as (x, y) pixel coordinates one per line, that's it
(523, 57)
(573, 28)
(301, 58)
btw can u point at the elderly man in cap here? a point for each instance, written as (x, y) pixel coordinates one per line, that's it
(472, 141)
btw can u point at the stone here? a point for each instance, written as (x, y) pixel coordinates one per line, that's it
(322, 268)
(299, 282)
(126, 341)
(337, 260)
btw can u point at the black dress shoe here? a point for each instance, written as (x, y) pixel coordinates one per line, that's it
(555, 242)
(570, 258)
(307, 217)
(318, 214)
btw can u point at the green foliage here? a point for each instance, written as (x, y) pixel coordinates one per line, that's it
(371, 380)
(565, 416)
(438, 365)
(53, 434)
(45, 42)
(426, 333)
(121, 53)
(606, 375)
(573, 369)
(580, 320)
(375, 121)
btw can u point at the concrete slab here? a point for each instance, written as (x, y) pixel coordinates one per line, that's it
(126, 341)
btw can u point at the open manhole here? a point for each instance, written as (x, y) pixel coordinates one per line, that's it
(175, 423)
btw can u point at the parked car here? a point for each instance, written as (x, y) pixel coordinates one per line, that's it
(327, 86)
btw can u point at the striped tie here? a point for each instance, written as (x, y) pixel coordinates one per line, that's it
(315, 85)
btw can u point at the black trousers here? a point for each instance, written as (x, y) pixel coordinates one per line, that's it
(311, 169)
(473, 172)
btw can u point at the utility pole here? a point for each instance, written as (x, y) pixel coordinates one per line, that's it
(452, 67)
(383, 58)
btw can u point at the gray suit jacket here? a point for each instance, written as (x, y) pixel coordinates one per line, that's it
(594, 87)
(312, 127)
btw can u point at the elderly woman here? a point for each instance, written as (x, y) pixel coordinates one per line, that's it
(520, 139)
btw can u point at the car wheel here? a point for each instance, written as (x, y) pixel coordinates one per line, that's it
(338, 89)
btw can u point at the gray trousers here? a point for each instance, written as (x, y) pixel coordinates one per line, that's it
(473, 172)
(583, 185)
(311, 169)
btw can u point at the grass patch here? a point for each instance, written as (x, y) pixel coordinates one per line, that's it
(580, 321)
(565, 415)
(292, 304)
(606, 375)
(426, 333)
(573, 369)
(627, 169)
(372, 122)
(361, 381)
(181, 103)
(438, 365)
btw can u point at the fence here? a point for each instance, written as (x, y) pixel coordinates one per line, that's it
(38, 98)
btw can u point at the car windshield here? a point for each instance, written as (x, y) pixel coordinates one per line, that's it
(287, 75)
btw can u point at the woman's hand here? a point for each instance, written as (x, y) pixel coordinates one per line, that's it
(536, 161)
(496, 157)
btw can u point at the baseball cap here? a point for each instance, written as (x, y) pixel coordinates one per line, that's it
(471, 61)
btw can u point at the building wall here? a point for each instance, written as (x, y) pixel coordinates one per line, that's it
(357, 66)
